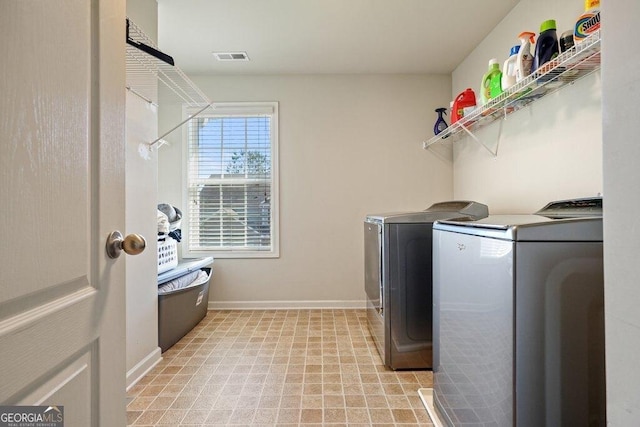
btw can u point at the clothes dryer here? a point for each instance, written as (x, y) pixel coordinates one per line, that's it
(398, 279)
(519, 318)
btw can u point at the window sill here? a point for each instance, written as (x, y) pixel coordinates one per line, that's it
(240, 254)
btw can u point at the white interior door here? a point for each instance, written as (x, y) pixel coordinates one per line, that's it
(62, 316)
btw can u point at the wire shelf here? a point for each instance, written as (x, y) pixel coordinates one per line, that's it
(570, 66)
(144, 71)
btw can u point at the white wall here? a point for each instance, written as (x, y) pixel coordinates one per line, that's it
(551, 150)
(145, 14)
(349, 145)
(141, 200)
(621, 86)
(142, 270)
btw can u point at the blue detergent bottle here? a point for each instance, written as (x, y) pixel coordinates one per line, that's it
(440, 124)
(547, 46)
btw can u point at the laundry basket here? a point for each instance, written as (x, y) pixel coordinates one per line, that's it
(167, 254)
(183, 296)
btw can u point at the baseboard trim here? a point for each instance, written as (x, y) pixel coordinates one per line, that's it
(286, 305)
(426, 395)
(136, 373)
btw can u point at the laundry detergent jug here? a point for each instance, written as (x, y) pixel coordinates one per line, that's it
(463, 104)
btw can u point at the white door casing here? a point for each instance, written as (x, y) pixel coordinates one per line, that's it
(62, 109)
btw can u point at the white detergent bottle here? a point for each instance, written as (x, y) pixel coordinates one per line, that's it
(524, 59)
(509, 68)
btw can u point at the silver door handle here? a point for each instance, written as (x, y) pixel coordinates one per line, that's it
(133, 244)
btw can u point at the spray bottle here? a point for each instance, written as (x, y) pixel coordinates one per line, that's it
(440, 124)
(524, 59)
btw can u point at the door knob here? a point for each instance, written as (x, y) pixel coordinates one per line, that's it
(133, 244)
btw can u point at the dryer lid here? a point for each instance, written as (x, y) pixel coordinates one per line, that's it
(454, 209)
(573, 208)
(529, 228)
(575, 220)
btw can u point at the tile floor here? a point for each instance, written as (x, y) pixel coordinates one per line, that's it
(278, 368)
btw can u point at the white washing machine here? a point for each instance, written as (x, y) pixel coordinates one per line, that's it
(519, 318)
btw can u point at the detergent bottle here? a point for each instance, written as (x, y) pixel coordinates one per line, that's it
(589, 22)
(490, 86)
(509, 68)
(462, 104)
(566, 41)
(524, 59)
(547, 46)
(495, 82)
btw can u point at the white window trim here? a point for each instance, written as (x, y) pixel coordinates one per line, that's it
(233, 109)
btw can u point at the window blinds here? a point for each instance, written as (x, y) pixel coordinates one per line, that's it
(230, 181)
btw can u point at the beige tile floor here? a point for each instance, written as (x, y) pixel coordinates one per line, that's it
(278, 368)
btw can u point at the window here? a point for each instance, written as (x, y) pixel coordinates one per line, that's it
(231, 181)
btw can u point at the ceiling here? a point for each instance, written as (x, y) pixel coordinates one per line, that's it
(325, 36)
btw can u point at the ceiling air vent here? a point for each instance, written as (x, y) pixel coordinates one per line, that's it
(231, 56)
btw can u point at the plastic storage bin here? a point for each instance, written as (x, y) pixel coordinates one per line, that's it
(181, 309)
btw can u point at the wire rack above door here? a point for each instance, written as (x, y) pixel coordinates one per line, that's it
(141, 66)
(148, 68)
